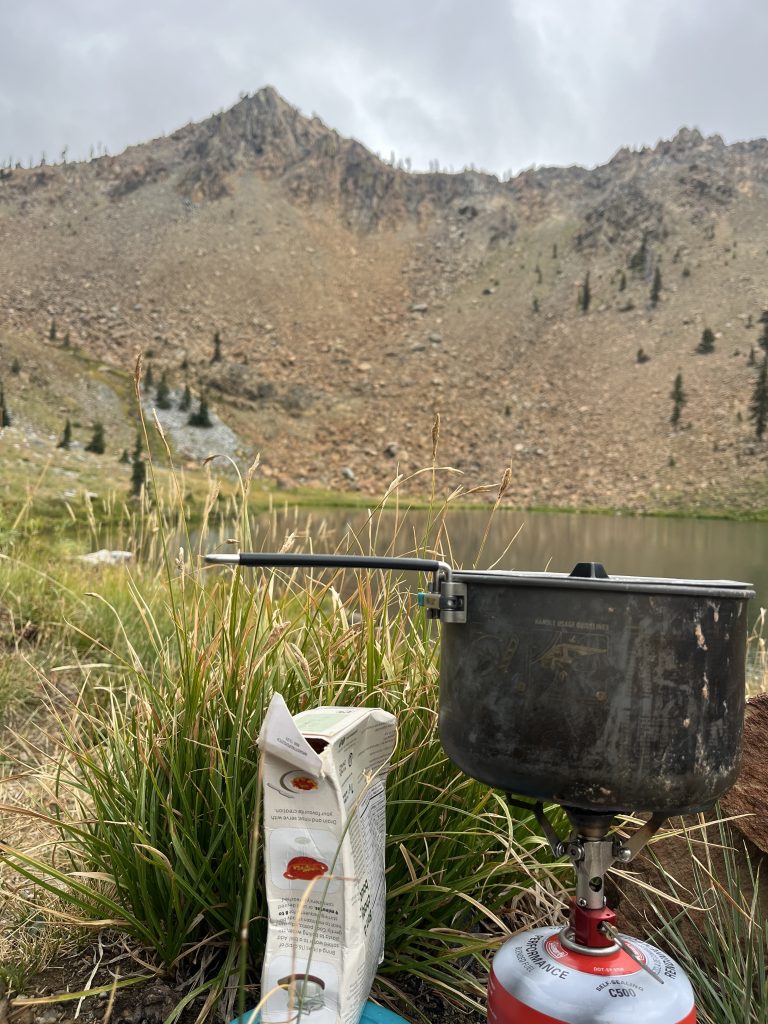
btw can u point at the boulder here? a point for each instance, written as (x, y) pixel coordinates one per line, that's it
(105, 557)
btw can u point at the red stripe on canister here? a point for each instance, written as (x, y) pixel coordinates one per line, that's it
(504, 1008)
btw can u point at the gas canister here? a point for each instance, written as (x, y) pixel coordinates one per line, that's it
(536, 980)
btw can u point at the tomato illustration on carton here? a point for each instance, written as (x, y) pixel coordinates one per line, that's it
(299, 782)
(305, 868)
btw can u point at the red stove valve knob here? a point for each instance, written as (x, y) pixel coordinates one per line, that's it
(587, 926)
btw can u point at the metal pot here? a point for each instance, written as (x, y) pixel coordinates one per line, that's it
(602, 693)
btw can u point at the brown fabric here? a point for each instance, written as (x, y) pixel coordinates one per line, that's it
(749, 796)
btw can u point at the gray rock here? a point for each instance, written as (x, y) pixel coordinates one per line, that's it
(348, 473)
(419, 307)
(105, 557)
(392, 449)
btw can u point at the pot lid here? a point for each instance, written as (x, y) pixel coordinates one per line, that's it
(592, 576)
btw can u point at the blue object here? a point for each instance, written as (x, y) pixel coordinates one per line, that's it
(375, 1014)
(372, 1014)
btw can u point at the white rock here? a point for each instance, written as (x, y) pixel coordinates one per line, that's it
(105, 557)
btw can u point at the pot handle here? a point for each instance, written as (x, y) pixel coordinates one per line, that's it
(441, 571)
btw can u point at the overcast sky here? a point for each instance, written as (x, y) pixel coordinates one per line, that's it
(501, 84)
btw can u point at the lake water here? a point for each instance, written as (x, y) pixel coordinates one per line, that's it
(626, 545)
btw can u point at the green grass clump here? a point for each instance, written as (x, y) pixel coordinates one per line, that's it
(719, 935)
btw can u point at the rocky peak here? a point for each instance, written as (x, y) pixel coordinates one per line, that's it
(686, 138)
(689, 142)
(262, 128)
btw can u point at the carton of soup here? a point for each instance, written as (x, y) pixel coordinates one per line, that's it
(324, 833)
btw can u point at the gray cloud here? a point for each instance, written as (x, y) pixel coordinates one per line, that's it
(501, 83)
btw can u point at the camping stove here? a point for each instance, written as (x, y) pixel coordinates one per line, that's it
(587, 972)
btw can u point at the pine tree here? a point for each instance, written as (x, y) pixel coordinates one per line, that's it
(751, 356)
(66, 340)
(66, 437)
(656, 287)
(149, 380)
(52, 331)
(622, 281)
(758, 406)
(201, 418)
(125, 458)
(585, 295)
(639, 259)
(163, 393)
(5, 416)
(186, 399)
(679, 398)
(16, 367)
(642, 356)
(138, 469)
(216, 357)
(707, 343)
(764, 336)
(538, 273)
(96, 444)
(554, 250)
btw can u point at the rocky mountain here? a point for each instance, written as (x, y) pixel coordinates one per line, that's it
(545, 317)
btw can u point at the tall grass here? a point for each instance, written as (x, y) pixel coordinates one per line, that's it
(757, 657)
(157, 783)
(719, 935)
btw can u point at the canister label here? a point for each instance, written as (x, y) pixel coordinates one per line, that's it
(535, 980)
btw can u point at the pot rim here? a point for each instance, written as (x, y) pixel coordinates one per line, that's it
(733, 589)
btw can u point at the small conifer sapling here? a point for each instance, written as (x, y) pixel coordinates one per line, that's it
(764, 332)
(707, 343)
(163, 393)
(679, 398)
(201, 417)
(758, 406)
(585, 295)
(216, 357)
(186, 399)
(639, 259)
(5, 416)
(138, 469)
(96, 444)
(66, 437)
(656, 287)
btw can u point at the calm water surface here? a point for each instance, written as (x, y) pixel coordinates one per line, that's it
(626, 545)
